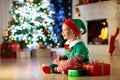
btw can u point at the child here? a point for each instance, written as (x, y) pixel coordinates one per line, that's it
(76, 52)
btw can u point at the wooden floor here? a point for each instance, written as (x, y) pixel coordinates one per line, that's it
(30, 69)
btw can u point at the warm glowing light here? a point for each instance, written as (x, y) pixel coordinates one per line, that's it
(11, 12)
(35, 5)
(104, 23)
(8, 29)
(14, 39)
(13, 25)
(32, 4)
(29, 42)
(16, 6)
(44, 40)
(58, 44)
(39, 3)
(77, 12)
(104, 33)
(54, 34)
(6, 38)
(6, 34)
(16, 21)
(26, 41)
(44, 11)
(48, 35)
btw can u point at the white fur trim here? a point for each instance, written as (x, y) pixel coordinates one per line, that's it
(71, 44)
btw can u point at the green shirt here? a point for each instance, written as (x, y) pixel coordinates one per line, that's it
(79, 49)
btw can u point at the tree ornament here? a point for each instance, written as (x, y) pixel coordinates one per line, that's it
(45, 32)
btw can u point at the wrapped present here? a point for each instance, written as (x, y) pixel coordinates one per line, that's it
(12, 55)
(73, 73)
(3, 56)
(7, 54)
(53, 55)
(41, 53)
(97, 69)
(13, 47)
(23, 54)
(76, 73)
(9, 48)
(2, 48)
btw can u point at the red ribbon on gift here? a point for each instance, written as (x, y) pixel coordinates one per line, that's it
(101, 64)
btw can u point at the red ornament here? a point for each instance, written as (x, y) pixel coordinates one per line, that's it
(45, 32)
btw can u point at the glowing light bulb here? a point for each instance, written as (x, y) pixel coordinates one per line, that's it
(26, 41)
(8, 29)
(16, 6)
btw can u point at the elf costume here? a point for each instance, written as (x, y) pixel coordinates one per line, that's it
(76, 53)
(79, 23)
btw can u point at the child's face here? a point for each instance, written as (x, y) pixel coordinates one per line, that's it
(66, 32)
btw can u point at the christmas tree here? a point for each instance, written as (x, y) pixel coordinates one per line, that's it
(32, 24)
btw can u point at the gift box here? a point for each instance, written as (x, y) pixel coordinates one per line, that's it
(12, 55)
(76, 73)
(3, 56)
(13, 47)
(73, 73)
(2, 47)
(97, 69)
(9, 48)
(7, 54)
(53, 55)
(23, 54)
(41, 53)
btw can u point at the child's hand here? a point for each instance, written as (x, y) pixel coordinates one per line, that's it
(56, 61)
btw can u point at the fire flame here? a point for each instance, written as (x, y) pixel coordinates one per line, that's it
(104, 33)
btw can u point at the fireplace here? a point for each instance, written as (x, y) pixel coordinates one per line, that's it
(97, 32)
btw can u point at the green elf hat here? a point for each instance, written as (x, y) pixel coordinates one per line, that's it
(79, 23)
